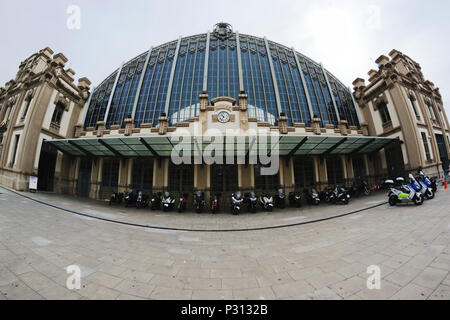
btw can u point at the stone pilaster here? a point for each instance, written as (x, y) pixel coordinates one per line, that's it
(161, 175)
(163, 124)
(343, 127)
(78, 130)
(365, 128)
(282, 123)
(101, 127)
(129, 126)
(203, 102)
(243, 101)
(316, 126)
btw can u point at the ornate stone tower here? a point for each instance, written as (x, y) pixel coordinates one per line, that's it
(400, 102)
(41, 103)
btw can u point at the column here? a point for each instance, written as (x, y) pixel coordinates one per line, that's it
(96, 178)
(124, 173)
(160, 175)
(287, 178)
(321, 175)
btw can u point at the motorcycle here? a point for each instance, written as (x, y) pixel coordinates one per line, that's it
(168, 202)
(130, 199)
(156, 201)
(280, 199)
(339, 195)
(214, 203)
(326, 195)
(236, 202)
(251, 200)
(199, 201)
(182, 202)
(312, 197)
(430, 183)
(142, 200)
(401, 193)
(360, 187)
(116, 198)
(421, 187)
(295, 199)
(266, 201)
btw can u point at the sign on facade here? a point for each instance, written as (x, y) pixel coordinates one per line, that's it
(33, 184)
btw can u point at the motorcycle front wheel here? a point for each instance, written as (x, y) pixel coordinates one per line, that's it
(431, 195)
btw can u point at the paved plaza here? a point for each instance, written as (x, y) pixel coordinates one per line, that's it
(319, 260)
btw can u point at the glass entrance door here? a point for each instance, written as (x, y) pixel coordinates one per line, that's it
(110, 177)
(303, 173)
(181, 178)
(84, 178)
(142, 177)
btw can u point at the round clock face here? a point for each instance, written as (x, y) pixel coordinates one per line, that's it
(223, 117)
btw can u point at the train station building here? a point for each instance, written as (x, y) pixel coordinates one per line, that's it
(248, 94)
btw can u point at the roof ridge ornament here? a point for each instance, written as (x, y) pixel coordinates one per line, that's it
(223, 30)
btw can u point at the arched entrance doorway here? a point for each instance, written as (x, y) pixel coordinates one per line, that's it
(47, 165)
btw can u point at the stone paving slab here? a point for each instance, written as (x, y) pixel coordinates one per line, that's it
(324, 260)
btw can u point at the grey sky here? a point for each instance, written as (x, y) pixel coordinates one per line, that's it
(346, 36)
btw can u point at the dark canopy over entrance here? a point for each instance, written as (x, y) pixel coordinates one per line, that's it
(162, 146)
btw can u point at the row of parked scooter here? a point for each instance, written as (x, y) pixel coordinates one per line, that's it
(250, 201)
(416, 191)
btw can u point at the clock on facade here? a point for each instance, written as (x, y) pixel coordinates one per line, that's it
(223, 117)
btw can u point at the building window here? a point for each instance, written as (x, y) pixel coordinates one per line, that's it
(425, 145)
(57, 114)
(431, 109)
(16, 144)
(27, 106)
(413, 103)
(384, 113)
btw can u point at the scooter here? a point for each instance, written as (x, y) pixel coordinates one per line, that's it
(251, 200)
(182, 202)
(266, 201)
(156, 201)
(142, 200)
(116, 198)
(359, 187)
(340, 195)
(421, 187)
(168, 202)
(236, 202)
(130, 198)
(401, 193)
(326, 195)
(280, 199)
(430, 183)
(199, 201)
(295, 199)
(214, 203)
(312, 197)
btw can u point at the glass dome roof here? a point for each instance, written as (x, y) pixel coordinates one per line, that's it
(169, 78)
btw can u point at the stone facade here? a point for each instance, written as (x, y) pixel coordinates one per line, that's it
(415, 109)
(28, 104)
